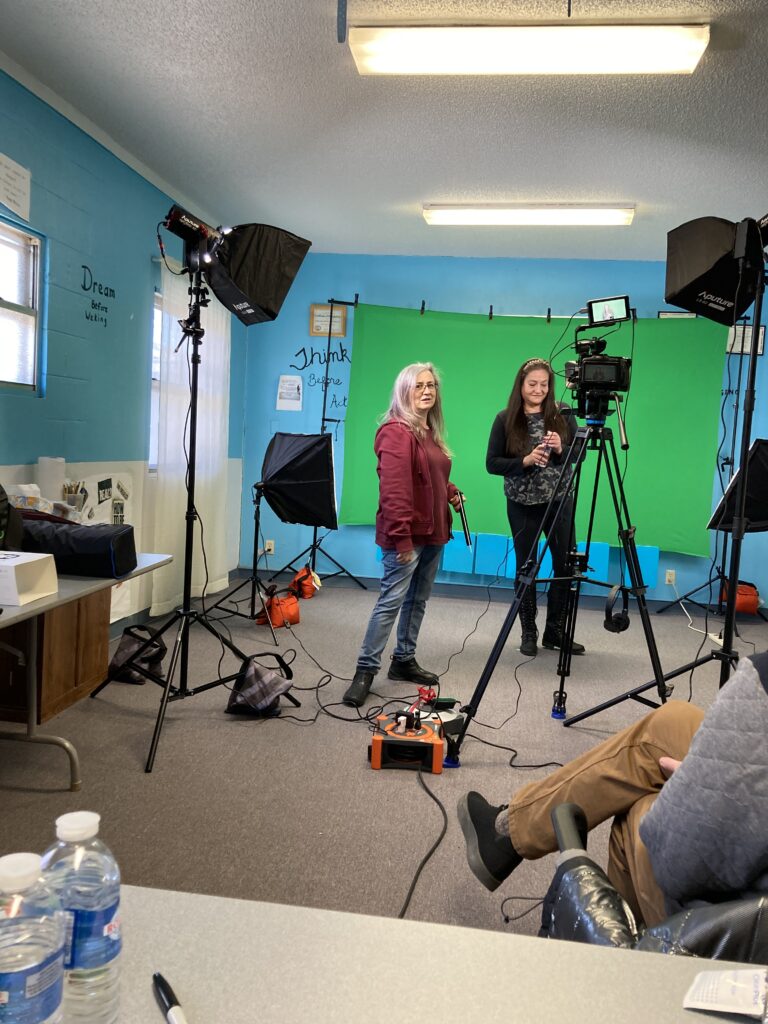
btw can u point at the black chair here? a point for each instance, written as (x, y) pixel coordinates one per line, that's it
(581, 905)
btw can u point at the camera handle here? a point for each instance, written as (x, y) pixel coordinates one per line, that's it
(618, 399)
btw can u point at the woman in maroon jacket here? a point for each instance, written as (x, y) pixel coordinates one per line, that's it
(413, 522)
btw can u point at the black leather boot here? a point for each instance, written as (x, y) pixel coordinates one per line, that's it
(528, 610)
(408, 670)
(357, 692)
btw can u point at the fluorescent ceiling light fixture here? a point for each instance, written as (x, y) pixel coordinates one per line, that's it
(529, 213)
(528, 49)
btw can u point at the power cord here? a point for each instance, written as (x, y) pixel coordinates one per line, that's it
(425, 859)
(537, 901)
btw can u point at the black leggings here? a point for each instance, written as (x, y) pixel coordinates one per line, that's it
(524, 522)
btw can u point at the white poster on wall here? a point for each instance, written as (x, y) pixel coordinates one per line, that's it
(15, 182)
(289, 391)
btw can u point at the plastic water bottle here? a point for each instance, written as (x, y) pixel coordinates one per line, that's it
(31, 944)
(83, 873)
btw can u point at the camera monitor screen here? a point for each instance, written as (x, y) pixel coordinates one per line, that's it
(608, 311)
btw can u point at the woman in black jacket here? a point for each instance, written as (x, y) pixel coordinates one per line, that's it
(527, 445)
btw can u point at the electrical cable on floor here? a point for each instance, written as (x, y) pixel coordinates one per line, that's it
(537, 901)
(425, 859)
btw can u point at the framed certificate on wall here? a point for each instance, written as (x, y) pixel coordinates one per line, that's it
(319, 318)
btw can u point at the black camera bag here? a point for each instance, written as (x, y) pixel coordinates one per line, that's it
(101, 550)
(10, 524)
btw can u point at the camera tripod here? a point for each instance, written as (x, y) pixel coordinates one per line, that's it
(594, 436)
(598, 437)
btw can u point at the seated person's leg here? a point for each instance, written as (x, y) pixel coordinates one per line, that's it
(629, 866)
(605, 781)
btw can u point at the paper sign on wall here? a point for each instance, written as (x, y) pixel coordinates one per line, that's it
(15, 182)
(289, 391)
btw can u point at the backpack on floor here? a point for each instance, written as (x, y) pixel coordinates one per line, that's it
(133, 638)
(282, 611)
(257, 689)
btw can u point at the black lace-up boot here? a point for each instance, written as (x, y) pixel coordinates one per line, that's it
(528, 609)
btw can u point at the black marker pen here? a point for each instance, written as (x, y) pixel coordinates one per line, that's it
(166, 997)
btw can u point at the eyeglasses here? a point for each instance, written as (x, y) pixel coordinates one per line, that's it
(430, 386)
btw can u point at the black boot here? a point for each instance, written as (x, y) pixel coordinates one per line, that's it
(357, 692)
(491, 856)
(408, 670)
(555, 627)
(528, 610)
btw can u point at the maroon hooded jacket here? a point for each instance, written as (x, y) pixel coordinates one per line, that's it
(412, 498)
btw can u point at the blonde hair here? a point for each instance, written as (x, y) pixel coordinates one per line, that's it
(401, 405)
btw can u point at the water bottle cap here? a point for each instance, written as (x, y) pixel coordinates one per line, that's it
(79, 825)
(18, 871)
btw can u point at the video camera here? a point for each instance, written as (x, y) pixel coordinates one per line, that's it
(595, 377)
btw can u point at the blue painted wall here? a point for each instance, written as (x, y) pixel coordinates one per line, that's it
(93, 212)
(512, 287)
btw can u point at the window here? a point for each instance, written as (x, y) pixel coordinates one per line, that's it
(154, 402)
(19, 305)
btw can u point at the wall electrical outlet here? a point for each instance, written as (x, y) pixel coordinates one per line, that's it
(269, 547)
(670, 576)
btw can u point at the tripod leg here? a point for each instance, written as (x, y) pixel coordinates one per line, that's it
(627, 537)
(342, 571)
(182, 635)
(256, 588)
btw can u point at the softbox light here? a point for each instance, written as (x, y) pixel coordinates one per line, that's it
(297, 479)
(253, 268)
(756, 510)
(704, 274)
(249, 268)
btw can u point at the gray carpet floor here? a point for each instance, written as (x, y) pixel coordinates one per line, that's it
(288, 810)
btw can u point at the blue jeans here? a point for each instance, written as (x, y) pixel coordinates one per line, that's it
(404, 589)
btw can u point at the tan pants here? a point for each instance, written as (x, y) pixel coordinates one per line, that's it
(620, 778)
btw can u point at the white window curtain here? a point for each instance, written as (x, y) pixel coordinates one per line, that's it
(173, 444)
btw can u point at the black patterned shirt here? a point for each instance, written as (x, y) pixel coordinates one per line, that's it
(527, 485)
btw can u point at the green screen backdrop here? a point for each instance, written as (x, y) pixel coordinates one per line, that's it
(671, 413)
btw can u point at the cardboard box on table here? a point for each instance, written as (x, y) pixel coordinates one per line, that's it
(25, 577)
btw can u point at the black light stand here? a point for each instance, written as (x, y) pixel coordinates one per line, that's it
(720, 578)
(186, 616)
(257, 587)
(748, 254)
(739, 520)
(309, 554)
(594, 436)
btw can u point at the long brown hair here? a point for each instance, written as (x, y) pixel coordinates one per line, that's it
(401, 405)
(515, 423)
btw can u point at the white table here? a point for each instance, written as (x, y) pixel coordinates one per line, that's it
(241, 962)
(71, 588)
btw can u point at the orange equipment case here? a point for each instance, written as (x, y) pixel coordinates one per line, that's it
(413, 748)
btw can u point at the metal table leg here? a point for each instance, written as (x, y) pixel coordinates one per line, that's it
(32, 735)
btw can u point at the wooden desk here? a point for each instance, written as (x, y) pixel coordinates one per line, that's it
(239, 962)
(84, 599)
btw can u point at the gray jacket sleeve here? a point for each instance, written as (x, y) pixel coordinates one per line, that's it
(707, 831)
